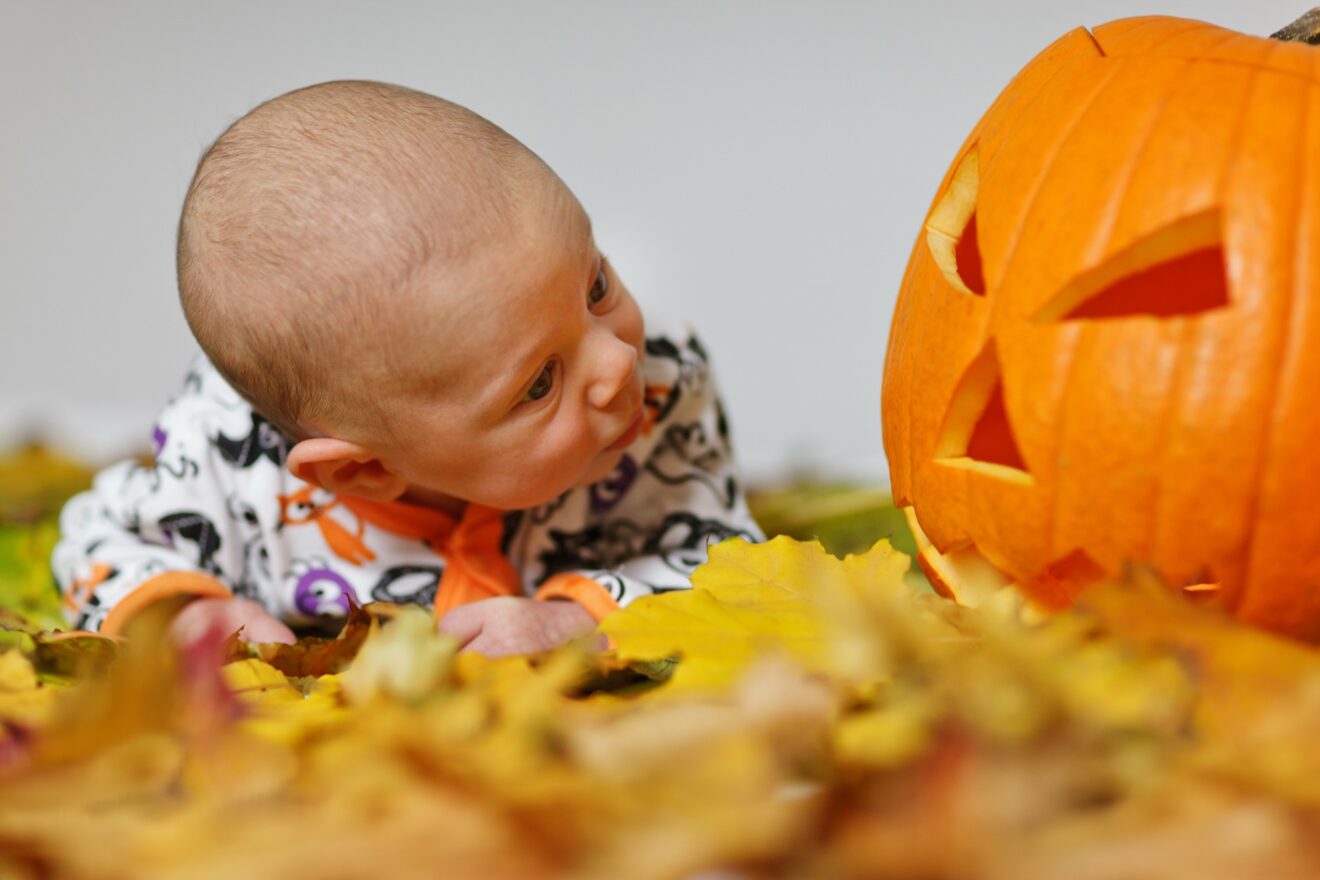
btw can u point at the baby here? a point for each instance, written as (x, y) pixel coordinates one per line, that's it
(422, 382)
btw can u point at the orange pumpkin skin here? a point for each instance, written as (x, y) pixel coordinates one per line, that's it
(1106, 347)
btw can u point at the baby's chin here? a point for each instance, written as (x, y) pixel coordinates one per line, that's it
(534, 494)
(604, 465)
(599, 468)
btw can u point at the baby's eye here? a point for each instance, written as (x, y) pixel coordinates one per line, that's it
(599, 289)
(541, 387)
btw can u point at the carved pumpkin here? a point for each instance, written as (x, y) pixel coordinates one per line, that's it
(1106, 348)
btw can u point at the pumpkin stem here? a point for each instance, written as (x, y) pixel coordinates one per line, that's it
(1304, 30)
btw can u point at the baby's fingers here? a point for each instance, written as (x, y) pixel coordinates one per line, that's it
(463, 623)
(267, 629)
(490, 647)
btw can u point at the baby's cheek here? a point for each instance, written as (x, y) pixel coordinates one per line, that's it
(558, 465)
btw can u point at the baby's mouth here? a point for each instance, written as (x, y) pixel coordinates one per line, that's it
(628, 436)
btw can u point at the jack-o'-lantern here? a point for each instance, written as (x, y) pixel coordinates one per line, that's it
(1106, 349)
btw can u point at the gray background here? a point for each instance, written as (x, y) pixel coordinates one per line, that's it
(759, 168)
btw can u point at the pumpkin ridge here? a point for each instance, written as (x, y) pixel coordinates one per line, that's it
(1226, 173)
(1173, 389)
(1291, 329)
(1229, 594)
(925, 322)
(992, 131)
(1309, 79)
(1202, 54)
(1284, 48)
(918, 307)
(1156, 45)
(1047, 164)
(1154, 542)
(1134, 23)
(1144, 22)
(1173, 48)
(1102, 239)
(897, 384)
(1191, 339)
(1079, 337)
(1177, 389)
(1268, 50)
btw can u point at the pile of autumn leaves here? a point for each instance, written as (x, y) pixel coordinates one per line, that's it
(795, 715)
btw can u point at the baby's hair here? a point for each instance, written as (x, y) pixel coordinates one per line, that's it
(308, 220)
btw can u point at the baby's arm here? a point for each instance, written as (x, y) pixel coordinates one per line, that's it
(143, 533)
(253, 623)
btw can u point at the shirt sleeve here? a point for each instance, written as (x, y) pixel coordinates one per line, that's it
(148, 530)
(650, 523)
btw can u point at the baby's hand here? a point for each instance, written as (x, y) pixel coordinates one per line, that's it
(516, 625)
(203, 615)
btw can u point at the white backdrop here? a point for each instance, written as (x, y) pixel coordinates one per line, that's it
(757, 167)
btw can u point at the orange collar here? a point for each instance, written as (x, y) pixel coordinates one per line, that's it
(475, 567)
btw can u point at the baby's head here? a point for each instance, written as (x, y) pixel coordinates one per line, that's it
(411, 294)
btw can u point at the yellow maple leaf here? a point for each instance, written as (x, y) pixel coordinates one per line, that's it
(23, 699)
(783, 596)
(276, 710)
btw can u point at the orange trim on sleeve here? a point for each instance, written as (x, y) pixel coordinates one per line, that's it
(162, 586)
(582, 590)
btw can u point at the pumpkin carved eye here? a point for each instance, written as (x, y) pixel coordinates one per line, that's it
(977, 433)
(1176, 271)
(951, 229)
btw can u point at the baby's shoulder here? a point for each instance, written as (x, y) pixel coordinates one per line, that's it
(209, 417)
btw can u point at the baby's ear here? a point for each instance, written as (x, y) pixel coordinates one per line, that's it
(344, 468)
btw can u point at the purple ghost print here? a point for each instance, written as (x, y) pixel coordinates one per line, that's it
(321, 592)
(609, 491)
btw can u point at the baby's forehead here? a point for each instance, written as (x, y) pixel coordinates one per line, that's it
(546, 229)
(463, 321)
(519, 272)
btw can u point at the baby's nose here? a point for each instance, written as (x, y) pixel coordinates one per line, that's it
(616, 363)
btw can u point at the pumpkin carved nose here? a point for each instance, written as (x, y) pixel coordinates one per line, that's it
(976, 430)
